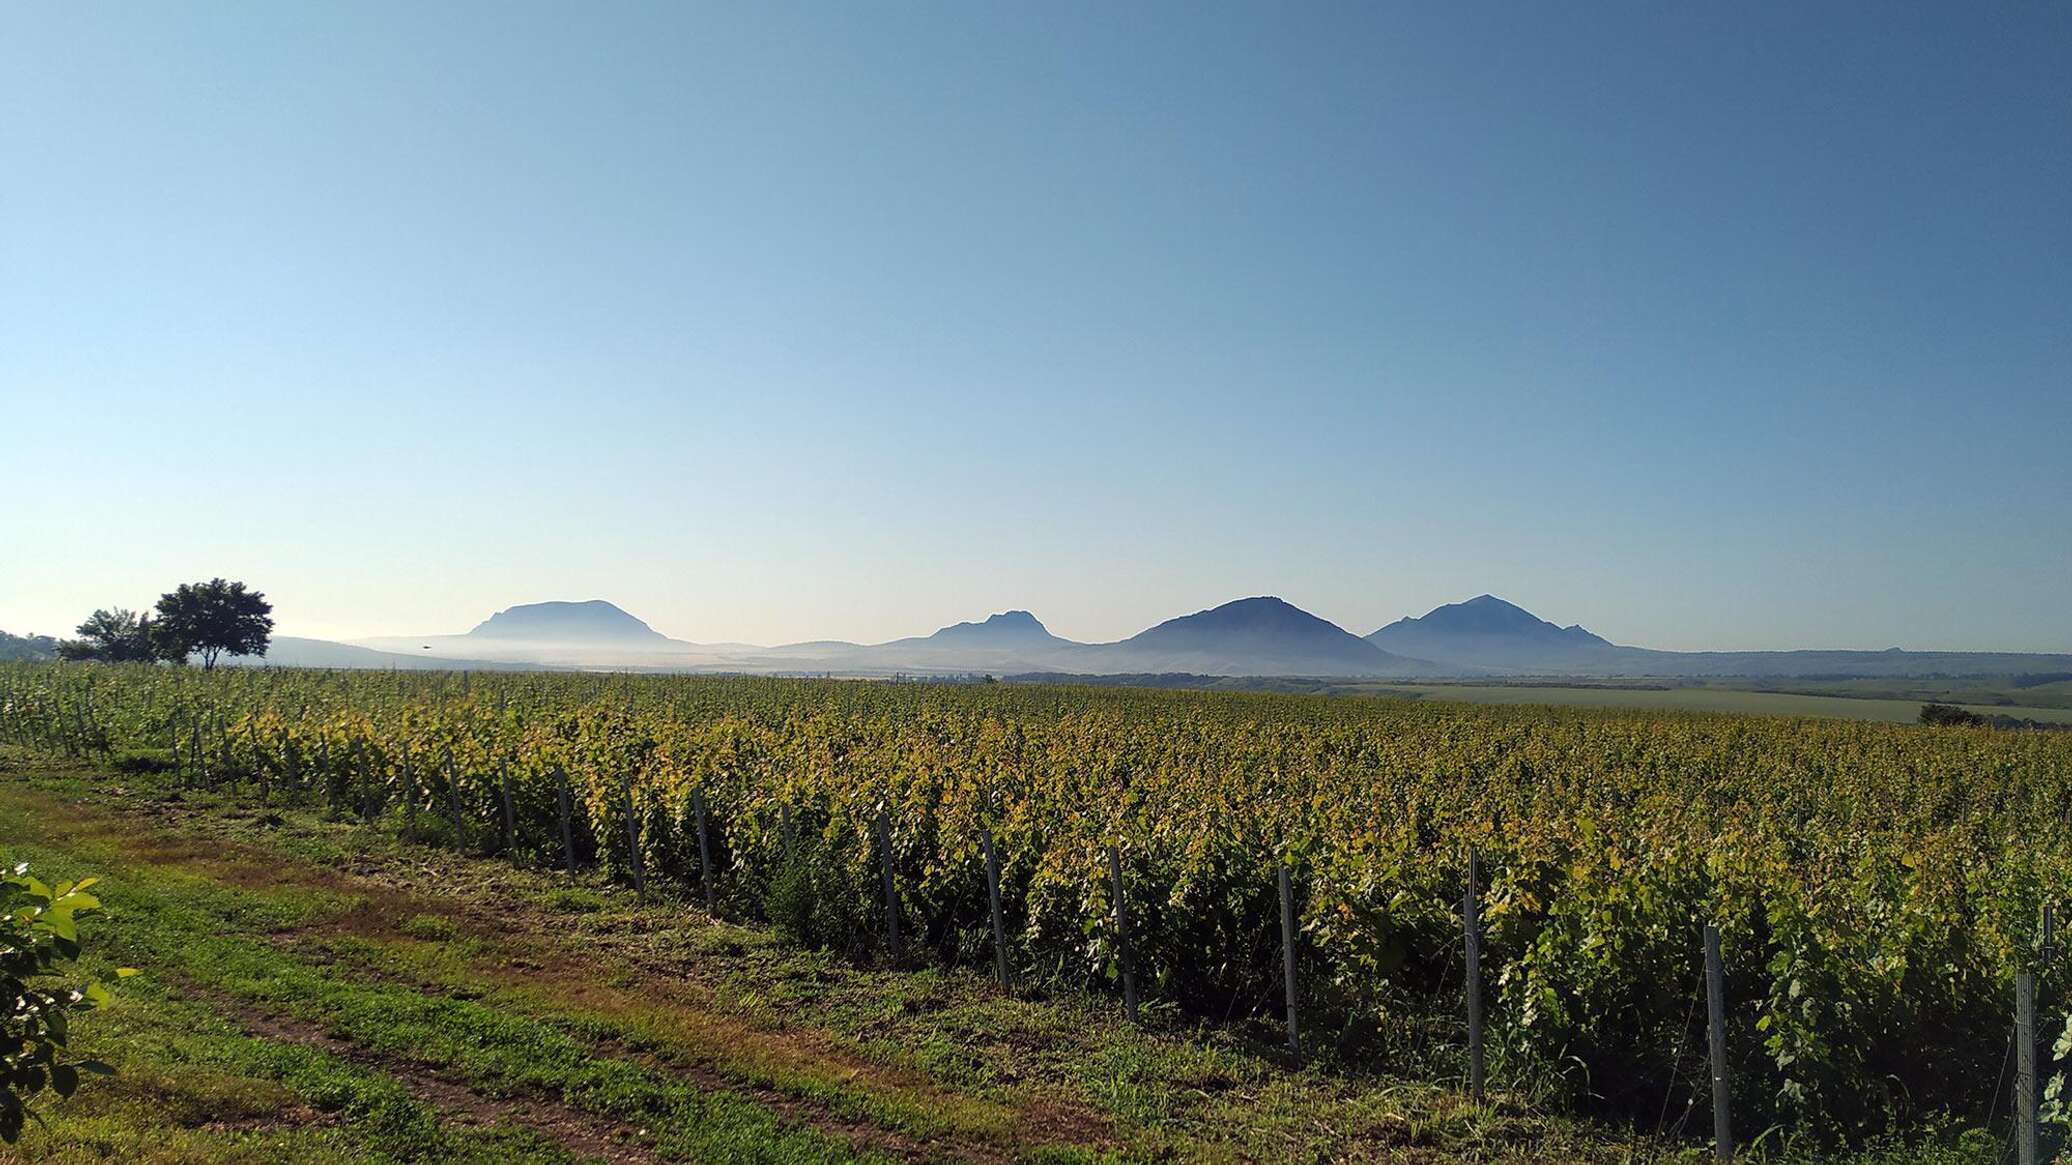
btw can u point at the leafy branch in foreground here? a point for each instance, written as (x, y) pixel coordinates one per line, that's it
(39, 935)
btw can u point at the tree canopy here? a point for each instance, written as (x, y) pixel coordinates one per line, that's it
(118, 635)
(211, 619)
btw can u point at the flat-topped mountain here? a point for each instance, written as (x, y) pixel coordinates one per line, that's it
(565, 622)
(554, 634)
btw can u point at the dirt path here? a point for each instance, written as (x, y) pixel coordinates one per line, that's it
(583, 1134)
(524, 949)
(857, 1134)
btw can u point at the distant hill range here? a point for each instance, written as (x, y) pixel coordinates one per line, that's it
(292, 651)
(1259, 637)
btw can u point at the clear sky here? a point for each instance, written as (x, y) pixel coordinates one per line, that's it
(1702, 325)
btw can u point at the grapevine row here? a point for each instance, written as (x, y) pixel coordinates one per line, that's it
(1875, 886)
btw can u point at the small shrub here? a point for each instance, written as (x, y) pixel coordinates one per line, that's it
(814, 900)
(39, 935)
(1949, 714)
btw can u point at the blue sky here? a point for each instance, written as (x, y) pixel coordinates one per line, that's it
(1705, 326)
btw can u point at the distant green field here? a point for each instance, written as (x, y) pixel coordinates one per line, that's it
(1700, 700)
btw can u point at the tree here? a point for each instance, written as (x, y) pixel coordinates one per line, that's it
(211, 618)
(118, 636)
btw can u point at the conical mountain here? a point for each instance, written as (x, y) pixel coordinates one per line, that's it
(1487, 632)
(1258, 636)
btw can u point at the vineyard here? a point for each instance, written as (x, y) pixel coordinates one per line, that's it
(1877, 888)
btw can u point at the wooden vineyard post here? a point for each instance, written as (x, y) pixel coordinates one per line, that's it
(366, 783)
(2025, 1066)
(197, 755)
(568, 836)
(100, 737)
(503, 777)
(1471, 927)
(704, 853)
(1716, 1040)
(1122, 937)
(891, 893)
(985, 840)
(291, 769)
(503, 780)
(460, 823)
(259, 766)
(1288, 955)
(2029, 1151)
(409, 796)
(2026, 1084)
(784, 819)
(334, 787)
(633, 836)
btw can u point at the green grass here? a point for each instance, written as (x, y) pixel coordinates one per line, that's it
(191, 1087)
(195, 932)
(721, 1041)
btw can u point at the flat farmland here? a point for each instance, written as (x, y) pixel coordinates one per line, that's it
(1703, 699)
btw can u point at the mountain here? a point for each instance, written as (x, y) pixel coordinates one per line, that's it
(1008, 628)
(593, 634)
(1258, 636)
(1488, 633)
(595, 621)
(1008, 641)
